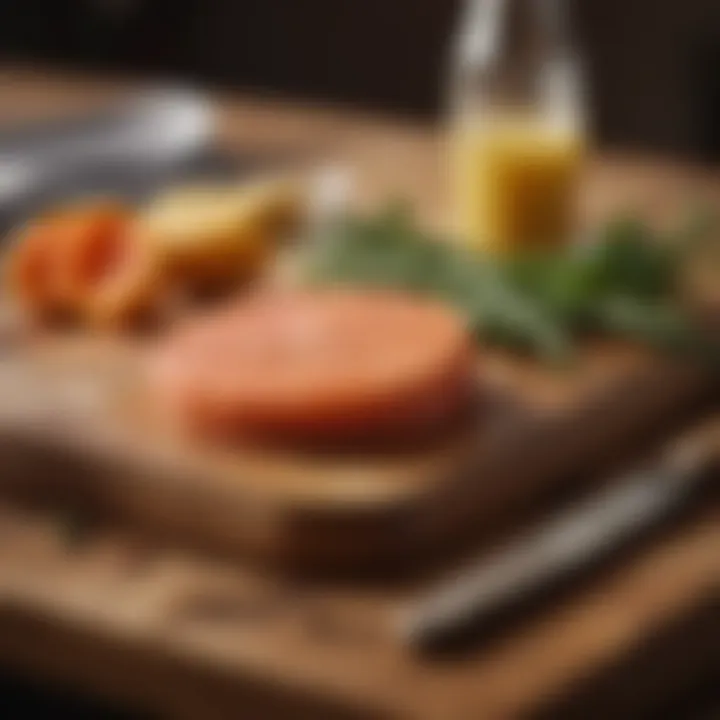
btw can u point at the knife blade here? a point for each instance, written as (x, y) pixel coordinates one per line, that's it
(564, 544)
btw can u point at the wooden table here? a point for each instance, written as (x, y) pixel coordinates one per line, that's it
(191, 637)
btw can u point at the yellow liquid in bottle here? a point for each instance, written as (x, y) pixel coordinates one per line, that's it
(515, 184)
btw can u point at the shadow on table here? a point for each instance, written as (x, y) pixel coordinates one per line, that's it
(21, 699)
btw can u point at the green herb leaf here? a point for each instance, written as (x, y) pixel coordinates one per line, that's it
(622, 284)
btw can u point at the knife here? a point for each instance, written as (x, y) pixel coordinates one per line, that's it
(568, 542)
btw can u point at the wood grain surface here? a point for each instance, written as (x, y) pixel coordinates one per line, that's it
(77, 426)
(190, 637)
(200, 639)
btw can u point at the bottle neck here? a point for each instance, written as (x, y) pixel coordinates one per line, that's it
(491, 27)
(513, 53)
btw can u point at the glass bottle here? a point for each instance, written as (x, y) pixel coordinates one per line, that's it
(516, 125)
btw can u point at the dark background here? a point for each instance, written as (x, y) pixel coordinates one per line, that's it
(653, 65)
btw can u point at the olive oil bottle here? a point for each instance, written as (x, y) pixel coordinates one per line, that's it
(517, 131)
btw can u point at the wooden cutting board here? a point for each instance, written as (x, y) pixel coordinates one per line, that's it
(98, 454)
(178, 634)
(189, 638)
(77, 429)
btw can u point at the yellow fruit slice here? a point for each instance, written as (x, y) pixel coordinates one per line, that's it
(219, 234)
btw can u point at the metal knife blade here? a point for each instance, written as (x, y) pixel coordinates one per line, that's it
(564, 544)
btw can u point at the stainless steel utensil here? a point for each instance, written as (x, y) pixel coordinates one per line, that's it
(566, 543)
(131, 146)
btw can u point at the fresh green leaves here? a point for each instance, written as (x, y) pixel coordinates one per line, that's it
(388, 250)
(628, 259)
(621, 283)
